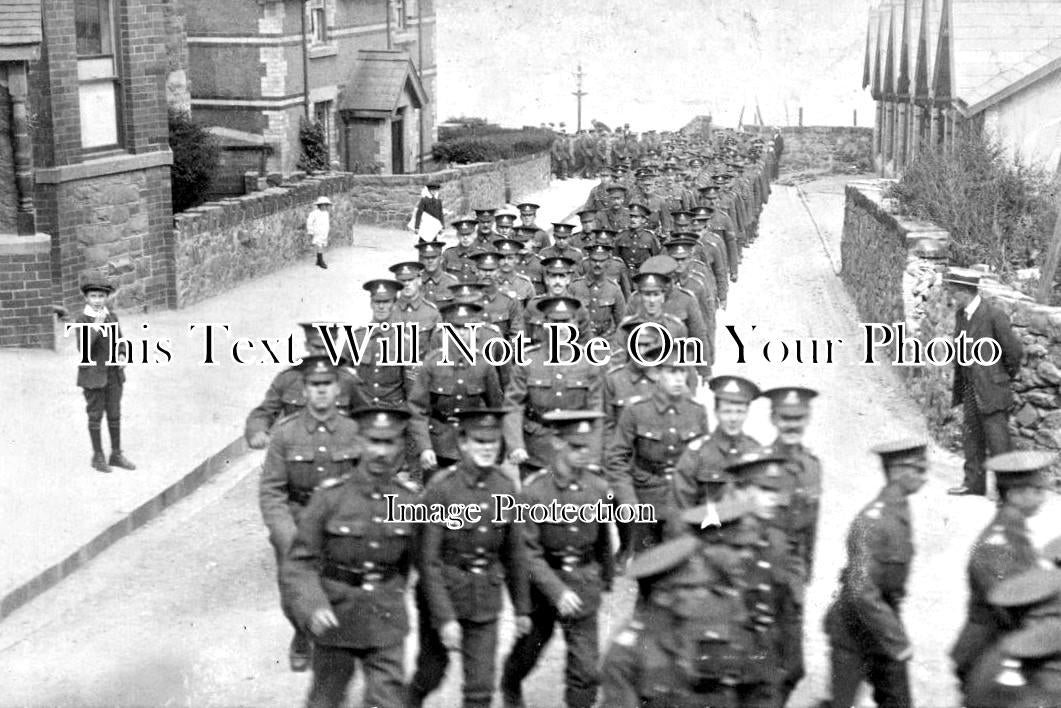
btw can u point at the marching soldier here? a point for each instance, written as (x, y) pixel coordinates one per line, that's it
(570, 564)
(700, 475)
(382, 383)
(412, 306)
(434, 280)
(866, 635)
(286, 394)
(1001, 550)
(512, 283)
(649, 438)
(601, 298)
(637, 243)
(676, 301)
(614, 267)
(484, 229)
(557, 273)
(680, 249)
(615, 217)
(587, 223)
(649, 301)
(441, 390)
(561, 153)
(461, 570)
(457, 260)
(528, 212)
(346, 573)
(562, 247)
(529, 263)
(537, 388)
(307, 447)
(718, 222)
(499, 309)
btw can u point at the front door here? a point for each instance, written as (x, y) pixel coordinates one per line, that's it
(398, 146)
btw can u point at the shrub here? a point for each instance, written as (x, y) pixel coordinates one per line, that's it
(490, 144)
(195, 159)
(999, 211)
(314, 157)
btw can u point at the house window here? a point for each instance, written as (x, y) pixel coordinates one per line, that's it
(322, 114)
(97, 73)
(318, 25)
(401, 8)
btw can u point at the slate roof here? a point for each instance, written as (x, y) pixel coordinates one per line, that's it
(20, 22)
(377, 82)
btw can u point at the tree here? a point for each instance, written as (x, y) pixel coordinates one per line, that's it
(195, 159)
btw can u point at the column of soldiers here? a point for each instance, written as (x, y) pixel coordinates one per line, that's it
(721, 572)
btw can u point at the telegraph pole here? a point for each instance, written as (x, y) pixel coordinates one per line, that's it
(578, 95)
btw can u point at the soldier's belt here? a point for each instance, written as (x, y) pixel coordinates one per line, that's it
(299, 496)
(471, 563)
(358, 577)
(568, 561)
(656, 469)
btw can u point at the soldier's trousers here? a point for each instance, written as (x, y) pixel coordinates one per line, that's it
(334, 667)
(478, 656)
(891, 685)
(280, 549)
(581, 677)
(983, 435)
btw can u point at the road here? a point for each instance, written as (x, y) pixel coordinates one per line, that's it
(185, 611)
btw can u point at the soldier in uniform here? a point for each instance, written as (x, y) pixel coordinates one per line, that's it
(677, 301)
(382, 383)
(680, 249)
(615, 217)
(600, 297)
(561, 153)
(587, 222)
(307, 447)
(649, 438)
(700, 476)
(499, 309)
(720, 224)
(434, 280)
(614, 267)
(637, 243)
(686, 644)
(412, 306)
(528, 212)
(1002, 550)
(570, 564)
(461, 570)
(512, 283)
(557, 273)
(529, 263)
(457, 260)
(562, 247)
(866, 635)
(650, 300)
(484, 229)
(441, 390)
(286, 394)
(537, 388)
(347, 571)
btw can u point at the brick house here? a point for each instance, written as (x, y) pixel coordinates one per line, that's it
(365, 69)
(90, 164)
(937, 68)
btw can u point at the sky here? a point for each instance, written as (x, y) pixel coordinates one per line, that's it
(513, 61)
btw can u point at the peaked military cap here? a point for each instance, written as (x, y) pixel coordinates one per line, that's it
(1040, 639)
(605, 235)
(590, 213)
(709, 190)
(682, 217)
(508, 246)
(481, 423)
(599, 251)
(460, 312)
(651, 281)
(572, 422)
(763, 469)
(504, 219)
(644, 172)
(791, 399)
(660, 265)
(1021, 468)
(900, 451)
(719, 513)
(383, 289)
(527, 207)
(429, 249)
(94, 282)
(466, 292)
(560, 308)
(381, 421)
(523, 233)
(638, 209)
(318, 368)
(464, 225)
(681, 247)
(702, 213)
(561, 229)
(312, 332)
(487, 260)
(557, 264)
(407, 270)
(1028, 588)
(484, 214)
(733, 388)
(615, 187)
(962, 277)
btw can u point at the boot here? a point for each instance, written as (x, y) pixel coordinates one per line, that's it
(320, 260)
(117, 458)
(99, 462)
(298, 654)
(120, 460)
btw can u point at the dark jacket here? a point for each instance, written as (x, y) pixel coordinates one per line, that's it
(94, 375)
(431, 206)
(990, 383)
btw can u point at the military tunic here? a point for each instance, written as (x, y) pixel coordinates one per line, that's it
(530, 266)
(421, 311)
(461, 574)
(388, 385)
(1002, 550)
(347, 559)
(537, 388)
(435, 286)
(800, 519)
(562, 252)
(634, 247)
(561, 557)
(286, 395)
(517, 286)
(603, 300)
(503, 312)
(865, 630)
(703, 461)
(457, 261)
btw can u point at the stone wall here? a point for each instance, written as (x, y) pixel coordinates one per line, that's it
(221, 244)
(892, 267)
(829, 148)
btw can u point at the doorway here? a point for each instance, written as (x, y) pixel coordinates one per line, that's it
(398, 145)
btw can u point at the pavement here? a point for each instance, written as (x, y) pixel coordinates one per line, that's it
(182, 418)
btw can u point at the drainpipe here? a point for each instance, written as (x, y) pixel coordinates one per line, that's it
(387, 10)
(305, 62)
(420, 68)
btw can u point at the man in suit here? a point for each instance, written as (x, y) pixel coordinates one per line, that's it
(983, 391)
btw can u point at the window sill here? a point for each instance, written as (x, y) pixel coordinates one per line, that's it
(323, 50)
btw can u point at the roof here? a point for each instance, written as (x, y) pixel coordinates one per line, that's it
(378, 80)
(1038, 65)
(926, 44)
(20, 28)
(993, 44)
